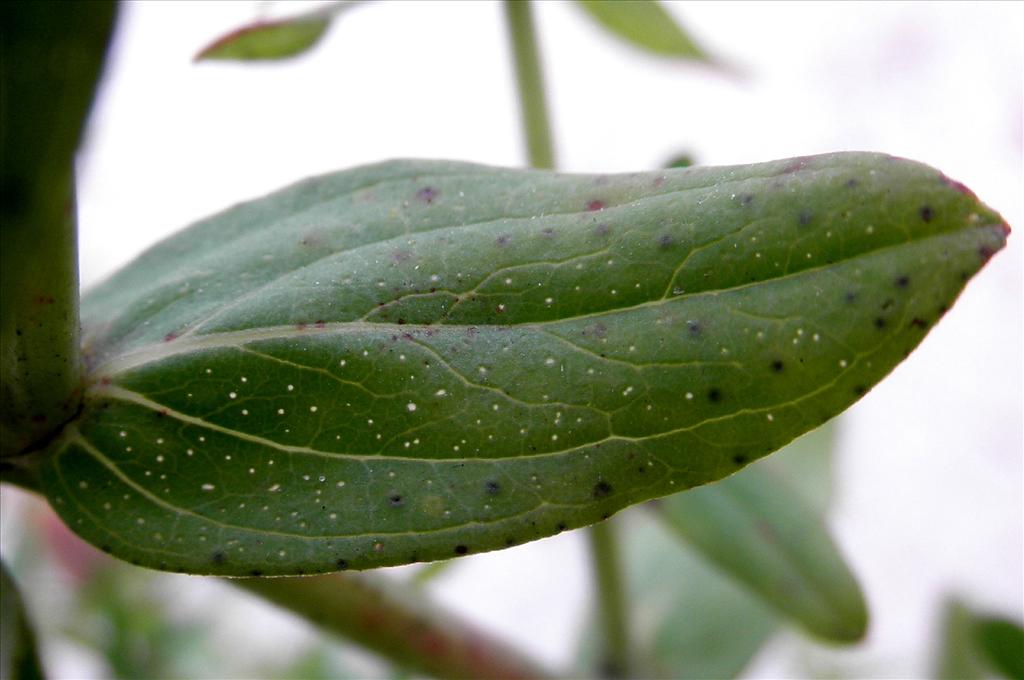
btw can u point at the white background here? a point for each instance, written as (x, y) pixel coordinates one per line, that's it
(929, 498)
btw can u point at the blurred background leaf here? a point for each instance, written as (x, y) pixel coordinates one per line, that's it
(756, 527)
(19, 659)
(691, 617)
(683, 611)
(645, 24)
(978, 646)
(1002, 643)
(277, 39)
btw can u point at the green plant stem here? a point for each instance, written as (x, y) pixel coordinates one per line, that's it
(530, 80)
(41, 363)
(615, 659)
(395, 621)
(52, 56)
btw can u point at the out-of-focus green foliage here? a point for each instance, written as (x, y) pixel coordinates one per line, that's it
(274, 40)
(645, 24)
(19, 659)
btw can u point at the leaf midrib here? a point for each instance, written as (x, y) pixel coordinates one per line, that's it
(186, 344)
(473, 225)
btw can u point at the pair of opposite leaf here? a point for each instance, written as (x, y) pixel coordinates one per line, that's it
(645, 24)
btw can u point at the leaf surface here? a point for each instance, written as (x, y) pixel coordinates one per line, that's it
(418, 360)
(274, 40)
(756, 527)
(645, 24)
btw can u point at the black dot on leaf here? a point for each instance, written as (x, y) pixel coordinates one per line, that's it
(739, 459)
(396, 500)
(859, 390)
(694, 327)
(777, 366)
(926, 213)
(218, 557)
(341, 564)
(602, 489)
(561, 527)
(902, 281)
(461, 550)
(714, 395)
(492, 487)
(879, 323)
(256, 572)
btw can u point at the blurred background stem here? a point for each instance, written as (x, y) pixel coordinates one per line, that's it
(614, 655)
(396, 622)
(609, 594)
(530, 80)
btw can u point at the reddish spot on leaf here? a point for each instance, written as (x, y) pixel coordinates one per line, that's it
(427, 194)
(320, 323)
(595, 205)
(959, 186)
(170, 336)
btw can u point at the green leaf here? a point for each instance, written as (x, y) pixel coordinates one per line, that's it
(1001, 643)
(645, 24)
(684, 612)
(18, 657)
(418, 360)
(274, 40)
(685, 607)
(757, 528)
